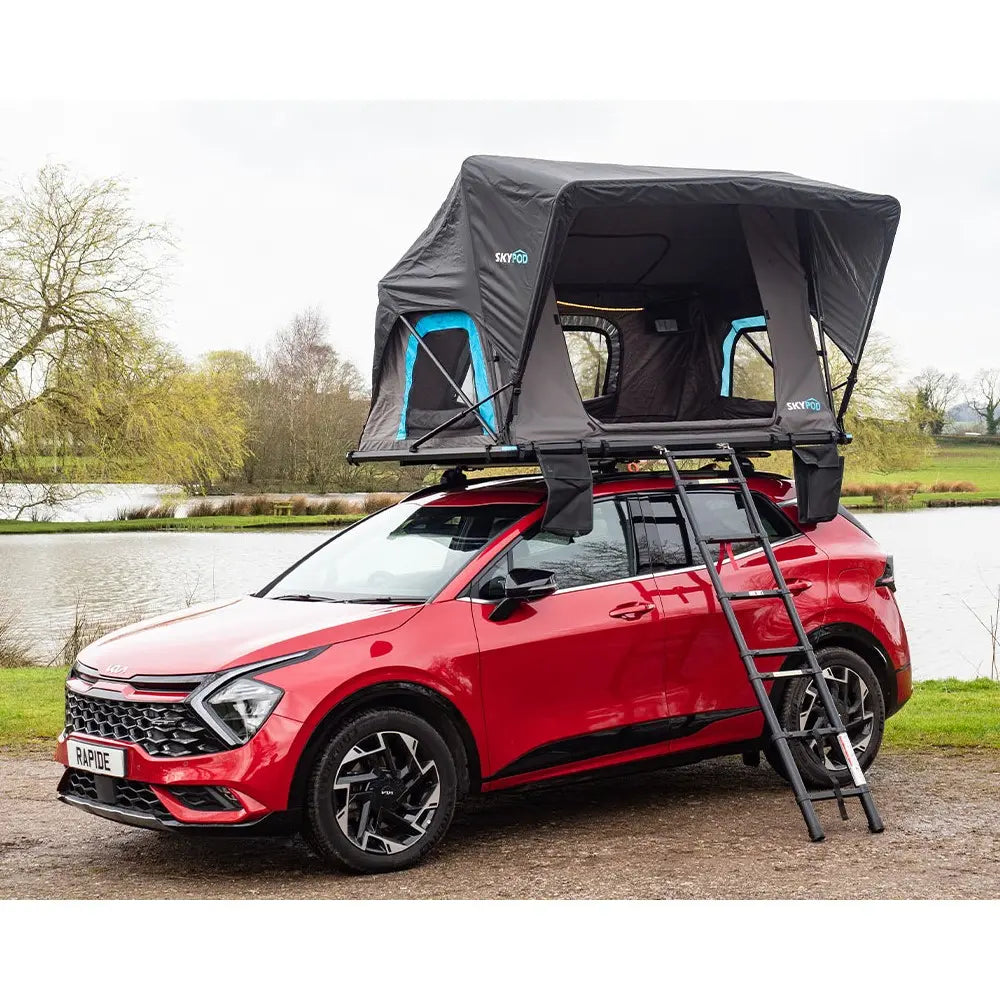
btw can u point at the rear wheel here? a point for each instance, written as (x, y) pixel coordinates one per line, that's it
(858, 697)
(382, 792)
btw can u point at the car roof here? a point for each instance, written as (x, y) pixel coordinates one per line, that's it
(530, 489)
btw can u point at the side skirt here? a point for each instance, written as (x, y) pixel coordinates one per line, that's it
(620, 739)
(662, 762)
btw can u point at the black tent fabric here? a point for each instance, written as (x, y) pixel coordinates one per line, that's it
(513, 233)
(607, 310)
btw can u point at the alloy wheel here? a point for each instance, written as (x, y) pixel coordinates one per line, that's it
(854, 703)
(385, 792)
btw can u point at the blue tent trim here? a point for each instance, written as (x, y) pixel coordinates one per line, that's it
(449, 321)
(729, 344)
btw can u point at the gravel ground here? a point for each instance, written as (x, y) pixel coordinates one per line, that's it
(712, 830)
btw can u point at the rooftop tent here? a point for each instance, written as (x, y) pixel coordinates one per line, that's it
(599, 310)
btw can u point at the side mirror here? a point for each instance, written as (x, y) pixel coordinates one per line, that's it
(523, 585)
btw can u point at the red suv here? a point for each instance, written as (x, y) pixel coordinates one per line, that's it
(448, 646)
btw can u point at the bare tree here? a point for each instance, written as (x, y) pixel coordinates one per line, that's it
(77, 275)
(984, 398)
(932, 392)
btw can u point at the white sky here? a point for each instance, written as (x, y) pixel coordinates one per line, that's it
(279, 206)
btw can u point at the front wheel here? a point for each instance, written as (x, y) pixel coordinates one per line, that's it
(382, 792)
(858, 697)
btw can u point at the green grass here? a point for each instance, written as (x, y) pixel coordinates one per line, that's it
(31, 706)
(220, 523)
(948, 713)
(952, 461)
(941, 714)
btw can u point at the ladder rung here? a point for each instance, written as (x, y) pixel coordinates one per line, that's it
(778, 651)
(849, 792)
(801, 734)
(769, 675)
(721, 539)
(750, 595)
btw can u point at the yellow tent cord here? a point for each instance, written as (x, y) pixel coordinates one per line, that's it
(607, 309)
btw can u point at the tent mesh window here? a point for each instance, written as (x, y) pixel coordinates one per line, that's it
(434, 393)
(594, 345)
(747, 361)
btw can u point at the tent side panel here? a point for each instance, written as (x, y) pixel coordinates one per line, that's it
(800, 397)
(850, 251)
(549, 407)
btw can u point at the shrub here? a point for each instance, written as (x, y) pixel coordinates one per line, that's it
(200, 508)
(145, 511)
(377, 501)
(949, 486)
(894, 494)
(332, 505)
(14, 652)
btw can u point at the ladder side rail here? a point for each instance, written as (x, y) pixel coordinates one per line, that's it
(773, 723)
(826, 696)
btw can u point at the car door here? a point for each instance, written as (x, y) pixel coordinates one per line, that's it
(704, 676)
(570, 677)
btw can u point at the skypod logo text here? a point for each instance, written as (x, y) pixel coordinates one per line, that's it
(804, 404)
(514, 257)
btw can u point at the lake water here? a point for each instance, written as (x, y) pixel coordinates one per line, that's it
(943, 558)
(103, 501)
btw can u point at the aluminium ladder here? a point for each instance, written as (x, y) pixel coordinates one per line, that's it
(834, 727)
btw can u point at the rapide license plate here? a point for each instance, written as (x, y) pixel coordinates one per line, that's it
(92, 757)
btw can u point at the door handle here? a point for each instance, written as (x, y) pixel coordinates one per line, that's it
(798, 586)
(630, 612)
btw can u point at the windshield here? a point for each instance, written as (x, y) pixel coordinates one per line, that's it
(405, 553)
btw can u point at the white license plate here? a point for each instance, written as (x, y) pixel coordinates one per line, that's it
(93, 757)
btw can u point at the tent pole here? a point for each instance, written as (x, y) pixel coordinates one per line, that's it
(458, 416)
(472, 407)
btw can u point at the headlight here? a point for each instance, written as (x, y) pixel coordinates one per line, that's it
(236, 704)
(243, 705)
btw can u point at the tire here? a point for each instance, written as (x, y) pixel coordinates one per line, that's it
(821, 763)
(388, 756)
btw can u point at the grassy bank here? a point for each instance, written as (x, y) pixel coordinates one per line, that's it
(954, 460)
(941, 714)
(219, 523)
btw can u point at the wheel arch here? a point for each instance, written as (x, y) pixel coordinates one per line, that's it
(417, 698)
(858, 640)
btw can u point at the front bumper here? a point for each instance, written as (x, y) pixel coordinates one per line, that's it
(254, 781)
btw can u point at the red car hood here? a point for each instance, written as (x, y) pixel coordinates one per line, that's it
(211, 637)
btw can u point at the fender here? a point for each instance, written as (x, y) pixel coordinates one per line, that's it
(417, 695)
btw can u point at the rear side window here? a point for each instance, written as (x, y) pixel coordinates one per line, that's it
(601, 556)
(718, 513)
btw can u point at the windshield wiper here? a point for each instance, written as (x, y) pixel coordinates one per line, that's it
(304, 597)
(382, 600)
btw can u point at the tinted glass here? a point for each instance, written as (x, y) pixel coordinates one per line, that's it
(597, 557)
(674, 550)
(407, 552)
(718, 513)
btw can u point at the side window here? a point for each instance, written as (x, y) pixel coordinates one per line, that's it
(718, 513)
(674, 549)
(598, 557)
(594, 346)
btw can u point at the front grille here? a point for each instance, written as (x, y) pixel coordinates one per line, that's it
(205, 798)
(135, 796)
(169, 729)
